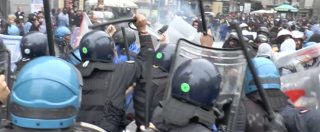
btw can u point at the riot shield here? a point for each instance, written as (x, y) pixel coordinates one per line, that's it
(184, 29)
(231, 64)
(303, 88)
(286, 59)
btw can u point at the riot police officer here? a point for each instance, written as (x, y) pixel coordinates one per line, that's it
(46, 100)
(262, 37)
(105, 83)
(294, 119)
(270, 77)
(160, 72)
(193, 91)
(62, 39)
(133, 49)
(65, 49)
(33, 44)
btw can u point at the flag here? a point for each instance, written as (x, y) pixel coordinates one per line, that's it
(79, 32)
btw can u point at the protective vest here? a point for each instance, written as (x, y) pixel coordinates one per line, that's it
(179, 113)
(97, 107)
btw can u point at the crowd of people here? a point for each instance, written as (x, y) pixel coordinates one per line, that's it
(20, 23)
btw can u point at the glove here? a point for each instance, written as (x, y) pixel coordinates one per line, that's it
(276, 125)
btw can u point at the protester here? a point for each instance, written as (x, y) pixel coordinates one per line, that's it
(63, 18)
(10, 26)
(19, 14)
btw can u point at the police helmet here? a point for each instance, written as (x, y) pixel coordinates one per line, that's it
(164, 56)
(46, 99)
(61, 32)
(297, 34)
(197, 82)
(243, 25)
(119, 40)
(232, 41)
(97, 46)
(283, 32)
(263, 30)
(34, 44)
(262, 38)
(267, 72)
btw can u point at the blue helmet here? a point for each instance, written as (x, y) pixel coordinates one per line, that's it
(46, 99)
(196, 81)
(268, 74)
(60, 33)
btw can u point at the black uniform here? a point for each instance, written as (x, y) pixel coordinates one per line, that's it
(257, 117)
(302, 120)
(104, 89)
(168, 117)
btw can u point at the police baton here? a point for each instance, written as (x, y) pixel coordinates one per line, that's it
(148, 85)
(46, 7)
(125, 42)
(271, 114)
(129, 20)
(203, 17)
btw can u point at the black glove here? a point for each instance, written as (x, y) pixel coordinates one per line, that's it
(276, 125)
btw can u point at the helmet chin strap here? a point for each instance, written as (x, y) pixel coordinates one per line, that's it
(86, 63)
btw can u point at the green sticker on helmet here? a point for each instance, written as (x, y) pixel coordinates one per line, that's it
(84, 50)
(159, 55)
(185, 87)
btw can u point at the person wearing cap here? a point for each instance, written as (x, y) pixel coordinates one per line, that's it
(11, 28)
(285, 41)
(265, 50)
(19, 14)
(298, 38)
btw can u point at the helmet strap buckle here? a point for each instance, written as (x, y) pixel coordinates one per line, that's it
(85, 64)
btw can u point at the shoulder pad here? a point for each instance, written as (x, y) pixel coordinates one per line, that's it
(87, 69)
(130, 62)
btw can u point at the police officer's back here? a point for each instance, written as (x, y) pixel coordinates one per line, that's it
(193, 89)
(257, 117)
(46, 100)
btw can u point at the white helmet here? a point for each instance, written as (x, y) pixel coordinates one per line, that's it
(243, 25)
(297, 34)
(283, 32)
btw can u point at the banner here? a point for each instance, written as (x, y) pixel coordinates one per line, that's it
(36, 7)
(13, 44)
(247, 8)
(79, 32)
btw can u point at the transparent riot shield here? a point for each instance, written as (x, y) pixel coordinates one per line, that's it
(185, 30)
(286, 59)
(231, 64)
(303, 88)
